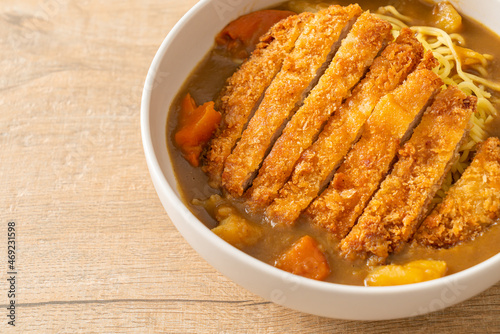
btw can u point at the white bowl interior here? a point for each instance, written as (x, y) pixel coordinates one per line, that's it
(184, 47)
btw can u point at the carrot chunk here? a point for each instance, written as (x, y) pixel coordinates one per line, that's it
(196, 126)
(188, 106)
(305, 258)
(242, 35)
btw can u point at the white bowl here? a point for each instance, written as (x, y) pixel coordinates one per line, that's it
(179, 53)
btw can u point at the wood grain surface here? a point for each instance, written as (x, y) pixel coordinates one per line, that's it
(96, 252)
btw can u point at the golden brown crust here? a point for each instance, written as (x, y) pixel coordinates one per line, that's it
(355, 55)
(393, 214)
(285, 92)
(340, 205)
(470, 206)
(320, 160)
(246, 86)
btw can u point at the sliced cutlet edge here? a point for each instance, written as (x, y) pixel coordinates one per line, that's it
(393, 214)
(356, 53)
(316, 165)
(368, 162)
(246, 87)
(298, 74)
(470, 206)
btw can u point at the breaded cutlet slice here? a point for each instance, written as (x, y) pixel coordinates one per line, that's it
(357, 52)
(368, 162)
(470, 206)
(393, 214)
(245, 88)
(287, 90)
(319, 161)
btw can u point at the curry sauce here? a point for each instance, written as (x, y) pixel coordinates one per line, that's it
(205, 84)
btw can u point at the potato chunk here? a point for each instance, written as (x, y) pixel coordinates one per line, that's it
(305, 258)
(235, 229)
(413, 272)
(446, 17)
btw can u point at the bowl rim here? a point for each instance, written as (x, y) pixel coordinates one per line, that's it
(162, 185)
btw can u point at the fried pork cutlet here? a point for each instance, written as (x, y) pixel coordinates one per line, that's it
(357, 52)
(245, 88)
(319, 161)
(470, 206)
(368, 162)
(393, 214)
(298, 73)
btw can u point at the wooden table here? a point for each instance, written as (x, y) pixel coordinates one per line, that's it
(95, 251)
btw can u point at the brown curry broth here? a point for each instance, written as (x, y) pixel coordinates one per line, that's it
(208, 79)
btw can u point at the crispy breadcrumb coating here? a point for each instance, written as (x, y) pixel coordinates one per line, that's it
(368, 162)
(470, 206)
(245, 88)
(355, 55)
(319, 161)
(393, 214)
(284, 94)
